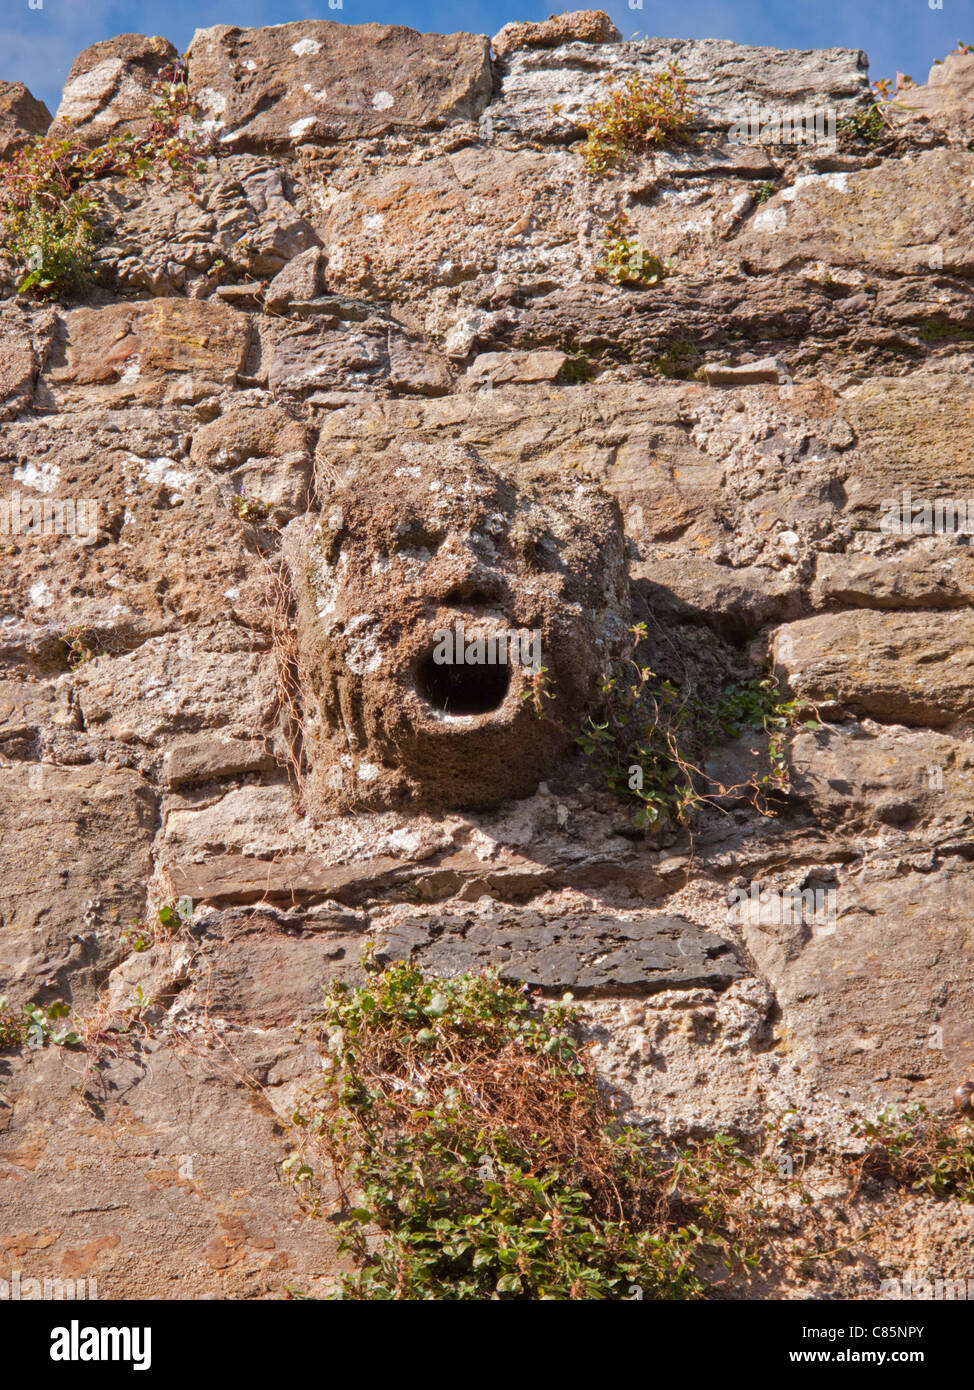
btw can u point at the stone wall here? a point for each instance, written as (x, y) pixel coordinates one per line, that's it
(362, 375)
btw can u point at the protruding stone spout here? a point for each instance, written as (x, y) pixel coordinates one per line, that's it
(410, 699)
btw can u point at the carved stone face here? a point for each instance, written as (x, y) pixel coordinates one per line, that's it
(402, 553)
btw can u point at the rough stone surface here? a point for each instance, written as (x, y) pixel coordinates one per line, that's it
(874, 776)
(21, 116)
(109, 88)
(581, 26)
(843, 218)
(18, 366)
(196, 1149)
(908, 668)
(365, 374)
(861, 1005)
(75, 846)
(316, 80)
(25, 707)
(725, 79)
(748, 374)
(301, 279)
(167, 350)
(949, 91)
(581, 954)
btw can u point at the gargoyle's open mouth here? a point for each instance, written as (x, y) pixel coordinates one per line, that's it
(457, 689)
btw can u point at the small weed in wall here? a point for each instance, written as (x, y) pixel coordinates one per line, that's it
(49, 189)
(250, 509)
(920, 1150)
(35, 1026)
(638, 114)
(625, 260)
(652, 737)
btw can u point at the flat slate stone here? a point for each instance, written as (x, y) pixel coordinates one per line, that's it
(593, 955)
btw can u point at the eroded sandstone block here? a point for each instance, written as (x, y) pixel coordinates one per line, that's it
(912, 435)
(265, 452)
(174, 685)
(21, 116)
(581, 26)
(885, 777)
(882, 1003)
(74, 860)
(405, 549)
(445, 221)
(18, 361)
(544, 92)
(109, 87)
(204, 1145)
(25, 706)
(949, 91)
(118, 582)
(163, 350)
(904, 668)
(321, 353)
(301, 279)
(844, 218)
(317, 80)
(935, 573)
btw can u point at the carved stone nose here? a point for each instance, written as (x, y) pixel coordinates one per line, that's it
(460, 576)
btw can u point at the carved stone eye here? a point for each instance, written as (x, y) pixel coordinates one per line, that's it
(417, 533)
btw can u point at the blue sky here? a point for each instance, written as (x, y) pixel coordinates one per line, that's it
(38, 45)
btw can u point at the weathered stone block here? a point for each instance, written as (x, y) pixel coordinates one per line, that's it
(121, 582)
(166, 350)
(903, 668)
(316, 353)
(18, 361)
(303, 278)
(588, 955)
(933, 574)
(581, 26)
(109, 88)
(949, 91)
(171, 685)
(724, 80)
(74, 864)
(209, 757)
(861, 1007)
(912, 435)
(25, 707)
(746, 374)
(899, 779)
(845, 218)
(21, 116)
(499, 368)
(316, 80)
(449, 220)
